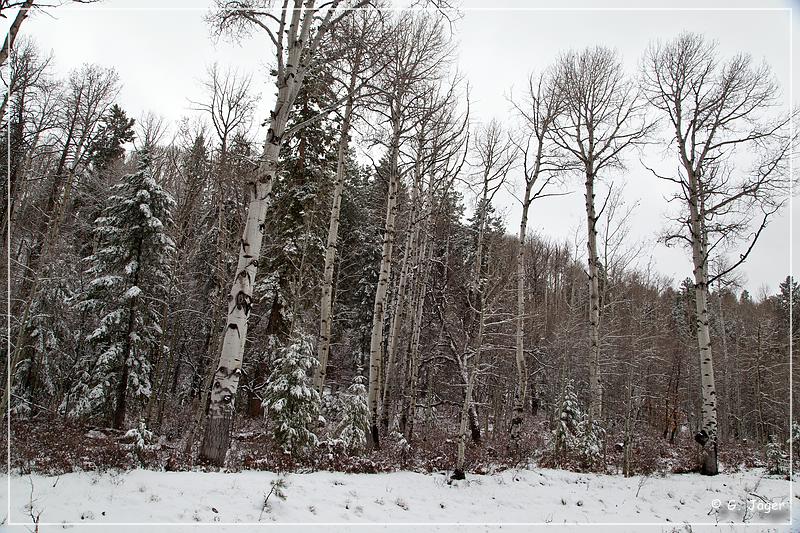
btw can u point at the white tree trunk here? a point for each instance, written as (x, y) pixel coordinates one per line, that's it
(422, 267)
(595, 390)
(379, 308)
(707, 436)
(399, 314)
(326, 304)
(469, 368)
(522, 371)
(458, 473)
(727, 368)
(226, 379)
(223, 247)
(469, 374)
(410, 397)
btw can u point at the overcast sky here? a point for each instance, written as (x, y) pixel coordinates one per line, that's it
(161, 49)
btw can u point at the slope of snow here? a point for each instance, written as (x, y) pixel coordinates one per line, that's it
(401, 498)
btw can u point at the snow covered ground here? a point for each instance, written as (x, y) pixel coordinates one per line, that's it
(404, 499)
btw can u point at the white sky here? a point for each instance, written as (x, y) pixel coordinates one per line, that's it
(161, 54)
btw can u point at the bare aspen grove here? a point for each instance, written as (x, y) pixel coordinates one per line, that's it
(336, 263)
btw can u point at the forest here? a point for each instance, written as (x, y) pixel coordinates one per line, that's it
(346, 294)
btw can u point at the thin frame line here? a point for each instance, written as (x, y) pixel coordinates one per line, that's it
(11, 51)
(393, 524)
(791, 264)
(478, 9)
(451, 10)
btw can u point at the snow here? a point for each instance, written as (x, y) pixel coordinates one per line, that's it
(133, 292)
(403, 498)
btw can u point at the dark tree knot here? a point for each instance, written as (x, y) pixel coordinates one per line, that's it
(243, 302)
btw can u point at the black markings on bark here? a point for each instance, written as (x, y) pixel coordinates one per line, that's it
(243, 302)
(701, 438)
(243, 274)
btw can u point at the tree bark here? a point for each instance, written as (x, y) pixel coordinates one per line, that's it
(458, 473)
(398, 316)
(468, 415)
(409, 407)
(399, 313)
(727, 368)
(226, 378)
(326, 303)
(379, 308)
(595, 390)
(11, 36)
(707, 436)
(522, 371)
(222, 249)
(422, 267)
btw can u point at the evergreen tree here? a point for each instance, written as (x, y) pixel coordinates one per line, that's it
(788, 300)
(493, 224)
(792, 442)
(777, 460)
(297, 229)
(44, 370)
(290, 400)
(354, 424)
(106, 153)
(115, 130)
(358, 258)
(683, 310)
(569, 417)
(130, 271)
(575, 436)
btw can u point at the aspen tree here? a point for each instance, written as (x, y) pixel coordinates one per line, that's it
(360, 62)
(419, 53)
(710, 108)
(495, 156)
(540, 165)
(603, 118)
(301, 29)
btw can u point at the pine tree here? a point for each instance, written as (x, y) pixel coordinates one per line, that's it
(106, 153)
(358, 257)
(131, 272)
(115, 130)
(493, 226)
(788, 300)
(576, 436)
(353, 427)
(589, 444)
(683, 312)
(41, 374)
(569, 418)
(290, 400)
(296, 231)
(792, 442)
(777, 460)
